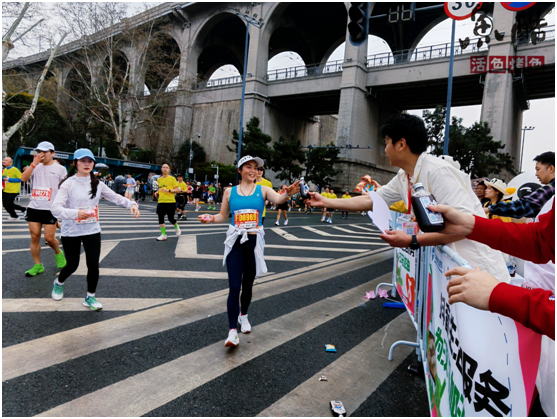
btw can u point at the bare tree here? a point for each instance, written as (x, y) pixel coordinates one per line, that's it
(116, 62)
(19, 28)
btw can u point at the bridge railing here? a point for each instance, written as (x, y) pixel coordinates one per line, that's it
(305, 71)
(219, 82)
(545, 34)
(432, 52)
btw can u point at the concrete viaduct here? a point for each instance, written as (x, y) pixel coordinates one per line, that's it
(344, 101)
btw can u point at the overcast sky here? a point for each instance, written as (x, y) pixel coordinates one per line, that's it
(541, 114)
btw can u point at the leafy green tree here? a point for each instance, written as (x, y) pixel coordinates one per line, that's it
(227, 172)
(254, 141)
(321, 164)
(46, 125)
(285, 155)
(473, 147)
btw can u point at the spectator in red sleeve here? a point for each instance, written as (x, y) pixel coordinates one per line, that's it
(534, 242)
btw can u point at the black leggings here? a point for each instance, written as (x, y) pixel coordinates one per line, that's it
(168, 209)
(72, 248)
(240, 264)
(8, 201)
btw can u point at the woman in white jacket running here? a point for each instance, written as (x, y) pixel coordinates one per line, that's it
(76, 204)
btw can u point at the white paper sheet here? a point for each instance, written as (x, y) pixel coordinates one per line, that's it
(381, 215)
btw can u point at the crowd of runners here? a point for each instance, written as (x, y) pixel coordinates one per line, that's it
(73, 198)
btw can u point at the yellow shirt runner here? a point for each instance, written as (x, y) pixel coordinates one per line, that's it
(169, 183)
(265, 182)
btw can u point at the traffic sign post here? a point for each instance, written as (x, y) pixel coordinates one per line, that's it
(456, 11)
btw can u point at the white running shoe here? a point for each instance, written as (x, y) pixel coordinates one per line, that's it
(233, 339)
(277, 223)
(161, 238)
(197, 209)
(244, 323)
(330, 221)
(322, 219)
(286, 223)
(178, 231)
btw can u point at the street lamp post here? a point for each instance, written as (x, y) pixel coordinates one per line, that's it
(258, 24)
(523, 138)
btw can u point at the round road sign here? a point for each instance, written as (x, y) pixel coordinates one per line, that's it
(516, 6)
(461, 10)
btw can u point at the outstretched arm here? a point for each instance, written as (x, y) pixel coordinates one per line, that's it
(358, 203)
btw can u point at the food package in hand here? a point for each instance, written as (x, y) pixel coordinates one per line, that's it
(365, 184)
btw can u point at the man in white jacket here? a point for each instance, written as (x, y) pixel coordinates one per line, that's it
(405, 146)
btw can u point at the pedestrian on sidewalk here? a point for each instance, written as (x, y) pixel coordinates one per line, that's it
(244, 244)
(76, 204)
(45, 175)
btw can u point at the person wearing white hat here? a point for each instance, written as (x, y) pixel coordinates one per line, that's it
(45, 176)
(495, 191)
(77, 205)
(244, 244)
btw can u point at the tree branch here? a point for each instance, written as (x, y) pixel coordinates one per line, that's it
(29, 113)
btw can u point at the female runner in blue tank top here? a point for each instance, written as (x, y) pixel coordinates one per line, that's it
(244, 244)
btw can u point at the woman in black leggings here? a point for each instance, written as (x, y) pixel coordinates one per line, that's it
(77, 205)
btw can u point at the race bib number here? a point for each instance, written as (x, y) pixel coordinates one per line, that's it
(41, 193)
(246, 218)
(93, 215)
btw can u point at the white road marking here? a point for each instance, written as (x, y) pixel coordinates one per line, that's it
(289, 236)
(136, 395)
(26, 305)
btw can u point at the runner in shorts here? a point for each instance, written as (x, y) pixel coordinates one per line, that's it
(168, 187)
(282, 208)
(181, 198)
(130, 187)
(45, 176)
(244, 244)
(329, 213)
(197, 191)
(324, 210)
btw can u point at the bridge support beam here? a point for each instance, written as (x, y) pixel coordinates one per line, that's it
(359, 120)
(499, 105)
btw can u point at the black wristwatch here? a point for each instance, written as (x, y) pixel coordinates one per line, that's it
(414, 245)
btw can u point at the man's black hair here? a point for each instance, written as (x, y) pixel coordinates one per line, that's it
(409, 127)
(546, 158)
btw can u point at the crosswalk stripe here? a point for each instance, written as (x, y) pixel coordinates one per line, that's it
(26, 305)
(136, 395)
(363, 227)
(187, 249)
(324, 233)
(321, 249)
(50, 350)
(291, 237)
(368, 367)
(354, 232)
(132, 231)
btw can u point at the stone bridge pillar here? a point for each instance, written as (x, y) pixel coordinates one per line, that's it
(186, 79)
(499, 105)
(359, 120)
(256, 80)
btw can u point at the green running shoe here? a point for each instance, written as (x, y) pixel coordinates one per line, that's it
(37, 269)
(57, 292)
(60, 260)
(92, 303)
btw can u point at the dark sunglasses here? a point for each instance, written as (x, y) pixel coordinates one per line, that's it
(259, 169)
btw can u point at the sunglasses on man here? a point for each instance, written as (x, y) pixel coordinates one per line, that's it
(259, 169)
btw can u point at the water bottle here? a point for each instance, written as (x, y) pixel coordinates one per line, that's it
(429, 221)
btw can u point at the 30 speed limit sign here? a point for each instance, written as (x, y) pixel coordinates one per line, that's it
(461, 10)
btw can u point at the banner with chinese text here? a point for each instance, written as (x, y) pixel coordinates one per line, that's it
(406, 276)
(478, 363)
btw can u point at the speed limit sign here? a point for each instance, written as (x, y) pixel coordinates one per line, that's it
(461, 10)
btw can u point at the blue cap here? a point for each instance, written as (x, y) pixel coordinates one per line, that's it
(82, 153)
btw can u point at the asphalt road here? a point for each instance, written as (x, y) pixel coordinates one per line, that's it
(157, 347)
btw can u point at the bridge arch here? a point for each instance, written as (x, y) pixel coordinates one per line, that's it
(161, 61)
(219, 41)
